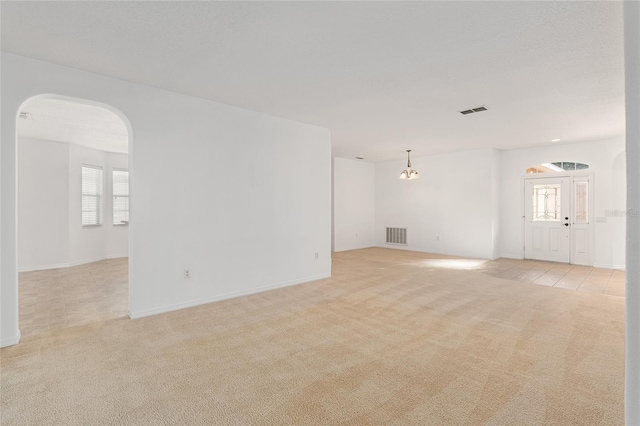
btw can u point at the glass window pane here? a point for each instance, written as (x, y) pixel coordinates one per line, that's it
(557, 166)
(91, 195)
(546, 202)
(582, 202)
(120, 197)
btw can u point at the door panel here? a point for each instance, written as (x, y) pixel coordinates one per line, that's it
(580, 226)
(580, 239)
(547, 216)
(554, 239)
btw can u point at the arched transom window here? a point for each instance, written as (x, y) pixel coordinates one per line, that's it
(558, 166)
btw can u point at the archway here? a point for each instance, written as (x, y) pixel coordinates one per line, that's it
(96, 222)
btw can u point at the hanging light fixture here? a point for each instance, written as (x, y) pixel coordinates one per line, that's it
(408, 173)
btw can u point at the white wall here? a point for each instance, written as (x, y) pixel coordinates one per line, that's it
(241, 198)
(449, 210)
(606, 160)
(50, 232)
(353, 204)
(43, 204)
(117, 235)
(86, 244)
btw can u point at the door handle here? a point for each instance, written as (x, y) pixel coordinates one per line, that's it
(566, 224)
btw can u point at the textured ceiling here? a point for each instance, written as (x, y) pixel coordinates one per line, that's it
(75, 123)
(383, 76)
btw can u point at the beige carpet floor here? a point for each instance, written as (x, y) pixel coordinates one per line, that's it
(391, 338)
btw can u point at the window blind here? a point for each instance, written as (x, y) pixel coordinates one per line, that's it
(120, 197)
(91, 195)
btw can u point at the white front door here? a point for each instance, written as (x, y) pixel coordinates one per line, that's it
(547, 205)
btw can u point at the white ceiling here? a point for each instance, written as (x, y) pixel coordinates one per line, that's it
(75, 123)
(383, 76)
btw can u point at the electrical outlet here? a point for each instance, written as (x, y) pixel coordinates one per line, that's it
(316, 255)
(186, 273)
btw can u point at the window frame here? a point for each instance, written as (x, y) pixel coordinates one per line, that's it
(99, 197)
(113, 196)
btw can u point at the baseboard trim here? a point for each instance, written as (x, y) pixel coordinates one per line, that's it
(602, 265)
(11, 341)
(225, 296)
(610, 266)
(352, 248)
(43, 267)
(70, 264)
(442, 252)
(85, 261)
(117, 256)
(512, 255)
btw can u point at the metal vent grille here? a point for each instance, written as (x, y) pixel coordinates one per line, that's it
(397, 236)
(473, 110)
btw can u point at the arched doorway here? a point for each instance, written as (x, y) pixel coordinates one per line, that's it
(73, 212)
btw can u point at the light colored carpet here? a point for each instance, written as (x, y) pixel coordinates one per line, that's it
(392, 338)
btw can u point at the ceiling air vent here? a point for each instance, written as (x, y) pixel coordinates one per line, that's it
(472, 110)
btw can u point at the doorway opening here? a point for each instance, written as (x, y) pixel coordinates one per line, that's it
(73, 214)
(558, 220)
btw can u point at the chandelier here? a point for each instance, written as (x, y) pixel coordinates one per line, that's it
(408, 173)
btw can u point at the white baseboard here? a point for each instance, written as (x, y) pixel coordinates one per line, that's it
(43, 267)
(352, 248)
(442, 252)
(10, 341)
(512, 255)
(71, 264)
(217, 298)
(88, 260)
(610, 266)
(117, 256)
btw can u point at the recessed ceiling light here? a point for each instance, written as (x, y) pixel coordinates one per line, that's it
(555, 140)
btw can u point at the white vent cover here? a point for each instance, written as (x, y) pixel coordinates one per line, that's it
(397, 236)
(472, 110)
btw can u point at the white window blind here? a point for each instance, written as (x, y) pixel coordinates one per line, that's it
(91, 196)
(120, 197)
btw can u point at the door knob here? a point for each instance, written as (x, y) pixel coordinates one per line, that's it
(566, 224)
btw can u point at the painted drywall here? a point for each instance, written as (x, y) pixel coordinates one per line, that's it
(50, 232)
(632, 148)
(43, 204)
(496, 234)
(240, 198)
(86, 244)
(449, 210)
(117, 235)
(606, 162)
(353, 204)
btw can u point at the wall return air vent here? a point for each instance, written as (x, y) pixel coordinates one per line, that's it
(472, 110)
(397, 236)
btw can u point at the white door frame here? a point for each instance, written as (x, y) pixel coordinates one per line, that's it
(572, 175)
